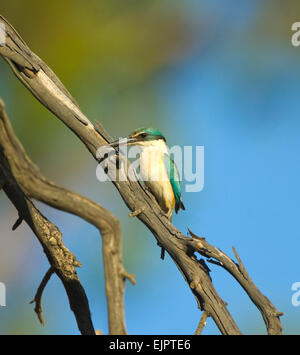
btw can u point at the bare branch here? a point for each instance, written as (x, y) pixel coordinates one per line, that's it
(202, 323)
(268, 311)
(38, 296)
(49, 236)
(36, 186)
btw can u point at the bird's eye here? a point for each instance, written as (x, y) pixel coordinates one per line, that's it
(143, 135)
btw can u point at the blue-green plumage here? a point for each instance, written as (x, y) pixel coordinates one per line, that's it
(148, 134)
(174, 180)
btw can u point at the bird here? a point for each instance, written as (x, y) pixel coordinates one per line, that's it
(157, 169)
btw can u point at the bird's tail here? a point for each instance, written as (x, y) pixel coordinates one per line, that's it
(182, 205)
(179, 206)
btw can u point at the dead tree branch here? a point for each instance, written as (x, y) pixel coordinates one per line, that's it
(49, 236)
(36, 186)
(38, 296)
(47, 88)
(268, 311)
(202, 323)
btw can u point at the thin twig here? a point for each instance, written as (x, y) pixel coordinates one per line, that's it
(38, 296)
(202, 323)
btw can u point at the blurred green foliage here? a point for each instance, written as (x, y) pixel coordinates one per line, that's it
(105, 52)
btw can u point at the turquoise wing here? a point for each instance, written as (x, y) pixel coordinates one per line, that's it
(175, 180)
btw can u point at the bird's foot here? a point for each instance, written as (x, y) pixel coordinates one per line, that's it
(162, 253)
(163, 214)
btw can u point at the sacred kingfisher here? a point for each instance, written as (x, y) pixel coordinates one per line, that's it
(158, 171)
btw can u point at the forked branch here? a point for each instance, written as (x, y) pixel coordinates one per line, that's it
(37, 186)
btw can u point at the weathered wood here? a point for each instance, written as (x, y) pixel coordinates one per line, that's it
(37, 186)
(49, 236)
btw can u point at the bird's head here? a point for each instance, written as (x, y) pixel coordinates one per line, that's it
(141, 137)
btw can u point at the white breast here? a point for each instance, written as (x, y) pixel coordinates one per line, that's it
(154, 173)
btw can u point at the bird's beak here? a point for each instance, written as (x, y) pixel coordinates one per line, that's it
(123, 141)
